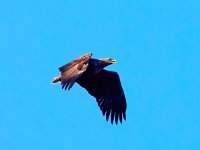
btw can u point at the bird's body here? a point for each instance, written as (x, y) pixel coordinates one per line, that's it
(104, 85)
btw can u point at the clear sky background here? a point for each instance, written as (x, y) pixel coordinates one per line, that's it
(157, 47)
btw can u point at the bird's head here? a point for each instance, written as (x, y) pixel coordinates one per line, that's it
(103, 62)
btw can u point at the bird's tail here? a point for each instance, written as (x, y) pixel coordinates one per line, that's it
(56, 79)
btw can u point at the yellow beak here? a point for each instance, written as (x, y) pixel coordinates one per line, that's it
(114, 61)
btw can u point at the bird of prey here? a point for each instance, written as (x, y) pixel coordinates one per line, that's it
(104, 85)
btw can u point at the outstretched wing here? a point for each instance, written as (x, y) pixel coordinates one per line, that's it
(71, 71)
(106, 87)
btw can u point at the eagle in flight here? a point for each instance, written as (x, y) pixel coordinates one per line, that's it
(104, 85)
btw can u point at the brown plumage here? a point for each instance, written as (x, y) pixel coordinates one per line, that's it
(104, 85)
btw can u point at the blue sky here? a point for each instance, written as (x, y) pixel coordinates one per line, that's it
(157, 47)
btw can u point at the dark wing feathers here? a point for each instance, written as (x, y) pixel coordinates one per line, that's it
(73, 70)
(105, 86)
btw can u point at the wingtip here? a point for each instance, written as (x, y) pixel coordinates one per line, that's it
(124, 115)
